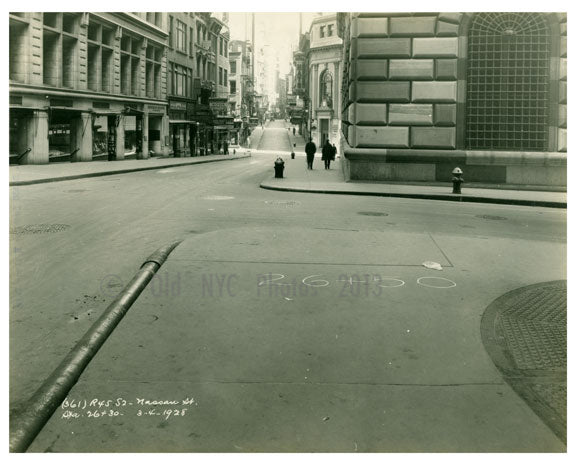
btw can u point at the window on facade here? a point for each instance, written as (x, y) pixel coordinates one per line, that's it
(226, 48)
(326, 84)
(233, 67)
(322, 29)
(330, 30)
(221, 46)
(232, 87)
(18, 60)
(220, 76)
(508, 80)
(171, 31)
(225, 77)
(180, 36)
(191, 43)
(198, 32)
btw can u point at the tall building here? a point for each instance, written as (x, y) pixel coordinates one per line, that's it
(183, 134)
(486, 92)
(325, 77)
(86, 86)
(241, 90)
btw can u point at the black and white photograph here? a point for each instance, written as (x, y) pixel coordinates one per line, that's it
(271, 230)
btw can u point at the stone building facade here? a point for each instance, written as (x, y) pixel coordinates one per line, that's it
(424, 93)
(86, 86)
(325, 77)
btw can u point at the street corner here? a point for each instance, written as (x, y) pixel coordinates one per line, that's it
(525, 333)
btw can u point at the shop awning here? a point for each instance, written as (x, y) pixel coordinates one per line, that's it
(182, 121)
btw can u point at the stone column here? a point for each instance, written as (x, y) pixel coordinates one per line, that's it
(145, 153)
(81, 137)
(35, 138)
(120, 138)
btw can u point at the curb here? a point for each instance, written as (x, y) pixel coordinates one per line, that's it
(448, 197)
(111, 173)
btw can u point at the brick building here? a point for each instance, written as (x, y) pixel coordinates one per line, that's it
(87, 86)
(424, 93)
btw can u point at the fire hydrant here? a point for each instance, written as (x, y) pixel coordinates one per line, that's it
(457, 180)
(279, 168)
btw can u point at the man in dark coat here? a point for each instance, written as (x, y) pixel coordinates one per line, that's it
(310, 150)
(327, 152)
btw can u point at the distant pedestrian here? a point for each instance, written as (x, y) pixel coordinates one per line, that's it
(310, 150)
(293, 131)
(334, 152)
(225, 147)
(327, 153)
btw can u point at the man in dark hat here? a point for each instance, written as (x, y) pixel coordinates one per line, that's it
(310, 150)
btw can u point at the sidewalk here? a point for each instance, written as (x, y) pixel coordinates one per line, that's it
(297, 178)
(22, 175)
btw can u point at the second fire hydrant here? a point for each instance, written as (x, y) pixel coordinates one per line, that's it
(279, 168)
(457, 180)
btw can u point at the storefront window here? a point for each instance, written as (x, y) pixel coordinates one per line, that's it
(132, 136)
(59, 139)
(100, 135)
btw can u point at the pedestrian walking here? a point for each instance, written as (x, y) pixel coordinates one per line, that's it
(225, 147)
(293, 131)
(310, 150)
(327, 154)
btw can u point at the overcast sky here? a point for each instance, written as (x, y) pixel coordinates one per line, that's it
(279, 30)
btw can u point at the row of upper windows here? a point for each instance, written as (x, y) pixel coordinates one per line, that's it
(181, 37)
(326, 31)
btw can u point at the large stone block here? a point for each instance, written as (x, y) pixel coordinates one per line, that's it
(369, 70)
(414, 26)
(562, 98)
(381, 48)
(437, 91)
(366, 136)
(368, 113)
(562, 116)
(536, 175)
(436, 47)
(369, 27)
(453, 18)
(380, 92)
(563, 68)
(446, 69)
(444, 114)
(562, 140)
(373, 171)
(442, 138)
(447, 29)
(411, 69)
(410, 114)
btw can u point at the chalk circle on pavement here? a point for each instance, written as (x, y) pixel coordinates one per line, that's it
(442, 283)
(399, 282)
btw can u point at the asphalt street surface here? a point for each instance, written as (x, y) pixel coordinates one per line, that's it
(283, 322)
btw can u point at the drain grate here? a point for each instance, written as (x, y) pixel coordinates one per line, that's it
(39, 229)
(491, 217)
(282, 203)
(373, 213)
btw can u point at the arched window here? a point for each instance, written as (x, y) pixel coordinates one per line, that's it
(508, 81)
(326, 89)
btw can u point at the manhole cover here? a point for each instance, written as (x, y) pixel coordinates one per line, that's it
(39, 228)
(282, 203)
(373, 213)
(491, 217)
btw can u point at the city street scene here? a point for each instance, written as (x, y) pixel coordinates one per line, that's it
(288, 232)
